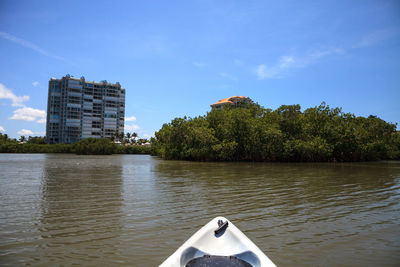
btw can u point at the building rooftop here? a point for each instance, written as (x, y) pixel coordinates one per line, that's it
(83, 79)
(230, 100)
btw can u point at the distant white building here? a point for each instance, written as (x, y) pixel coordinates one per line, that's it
(78, 109)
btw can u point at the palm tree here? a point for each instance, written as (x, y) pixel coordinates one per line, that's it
(117, 136)
(112, 137)
(128, 137)
(22, 139)
(134, 135)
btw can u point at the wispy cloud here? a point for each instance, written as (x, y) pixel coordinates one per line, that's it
(24, 113)
(30, 133)
(28, 44)
(376, 37)
(6, 93)
(148, 136)
(286, 63)
(199, 64)
(131, 118)
(2, 130)
(132, 127)
(275, 71)
(289, 62)
(35, 83)
(29, 114)
(25, 132)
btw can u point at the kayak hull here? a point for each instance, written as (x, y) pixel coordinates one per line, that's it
(228, 243)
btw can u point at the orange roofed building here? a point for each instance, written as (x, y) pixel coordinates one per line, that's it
(233, 101)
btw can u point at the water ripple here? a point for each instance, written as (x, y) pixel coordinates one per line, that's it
(136, 210)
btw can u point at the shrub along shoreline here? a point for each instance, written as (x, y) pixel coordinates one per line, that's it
(89, 146)
(250, 133)
(254, 133)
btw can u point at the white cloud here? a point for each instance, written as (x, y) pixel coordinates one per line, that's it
(315, 55)
(30, 133)
(275, 71)
(29, 114)
(25, 132)
(199, 64)
(132, 127)
(6, 93)
(27, 44)
(35, 83)
(131, 118)
(264, 72)
(285, 63)
(2, 130)
(148, 136)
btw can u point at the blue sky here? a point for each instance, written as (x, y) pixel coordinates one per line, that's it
(175, 58)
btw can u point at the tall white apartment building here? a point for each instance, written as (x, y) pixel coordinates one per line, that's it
(78, 109)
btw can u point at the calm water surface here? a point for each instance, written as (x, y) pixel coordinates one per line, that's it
(61, 209)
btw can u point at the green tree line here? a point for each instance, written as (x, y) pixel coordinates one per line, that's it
(97, 146)
(254, 133)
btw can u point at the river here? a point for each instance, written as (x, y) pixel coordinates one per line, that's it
(136, 210)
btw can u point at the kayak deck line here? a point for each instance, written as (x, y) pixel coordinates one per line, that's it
(218, 243)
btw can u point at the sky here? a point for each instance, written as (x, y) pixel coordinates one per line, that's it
(175, 58)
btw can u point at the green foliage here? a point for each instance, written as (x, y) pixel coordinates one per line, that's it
(102, 146)
(133, 149)
(13, 147)
(88, 146)
(94, 146)
(253, 133)
(5, 139)
(36, 140)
